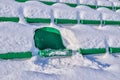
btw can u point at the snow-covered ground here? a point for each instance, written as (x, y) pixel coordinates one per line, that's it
(19, 37)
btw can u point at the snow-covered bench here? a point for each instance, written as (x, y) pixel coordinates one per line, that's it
(72, 3)
(15, 41)
(116, 5)
(104, 3)
(64, 14)
(90, 3)
(89, 40)
(9, 11)
(36, 12)
(88, 15)
(109, 17)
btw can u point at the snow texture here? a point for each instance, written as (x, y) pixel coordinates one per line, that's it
(104, 3)
(61, 11)
(9, 9)
(15, 37)
(39, 10)
(108, 14)
(88, 13)
(69, 1)
(91, 2)
(19, 37)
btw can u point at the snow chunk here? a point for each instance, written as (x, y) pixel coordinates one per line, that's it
(63, 12)
(69, 1)
(104, 3)
(38, 10)
(113, 0)
(116, 3)
(91, 2)
(15, 37)
(48, 0)
(9, 9)
(88, 13)
(118, 11)
(108, 14)
(82, 7)
(88, 37)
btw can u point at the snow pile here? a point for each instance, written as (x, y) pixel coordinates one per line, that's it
(89, 2)
(113, 0)
(116, 3)
(88, 13)
(15, 37)
(107, 14)
(86, 38)
(9, 9)
(19, 37)
(76, 67)
(34, 9)
(48, 0)
(61, 11)
(112, 35)
(104, 3)
(69, 1)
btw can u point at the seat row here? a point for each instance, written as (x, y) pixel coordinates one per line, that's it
(58, 13)
(48, 41)
(111, 4)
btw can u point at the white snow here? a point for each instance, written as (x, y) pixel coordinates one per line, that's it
(34, 9)
(116, 3)
(61, 11)
(19, 37)
(107, 14)
(15, 37)
(118, 11)
(91, 2)
(48, 0)
(9, 9)
(88, 13)
(104, 3)
(69, 1)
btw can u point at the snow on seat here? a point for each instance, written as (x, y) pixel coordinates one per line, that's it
(64, 16)
(89, 43)
(88, 15)
(15, 41)
(9, 11)
(116, 5)
(49, 42)
(72, 3)
(104, 3)
(37, 12)
(113, 38)
(90, 3)
(118, 11)
(109, 17)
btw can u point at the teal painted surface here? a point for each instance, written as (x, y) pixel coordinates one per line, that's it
(114, 49)
(90, 21)
(16, 55)
(106, 22)
(92, 51)
(38, 20)
(65, 21)
(21, 0)
(48, 38)
(11, 19)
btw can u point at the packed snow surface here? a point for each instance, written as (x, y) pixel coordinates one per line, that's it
(36, 10)
(18, 37)
(61, 11)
